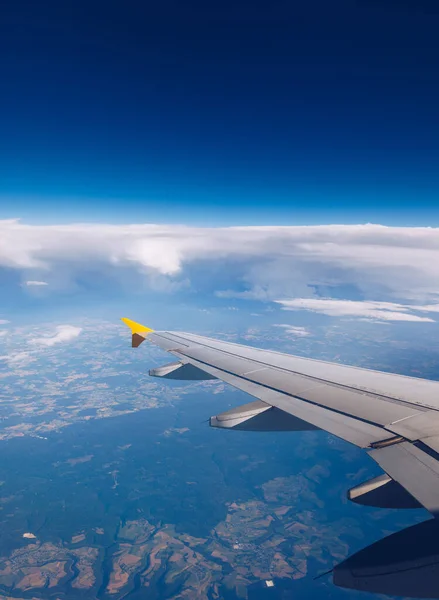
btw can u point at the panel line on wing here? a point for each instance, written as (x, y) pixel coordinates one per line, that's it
(366, 416)
(254, 371)
(345, 427)
(285, 393)
(403, 419)
(360, 390)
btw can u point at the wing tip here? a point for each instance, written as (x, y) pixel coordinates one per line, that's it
(136, 328)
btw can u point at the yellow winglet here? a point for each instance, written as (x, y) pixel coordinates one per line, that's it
(136, 327)
(139, 332)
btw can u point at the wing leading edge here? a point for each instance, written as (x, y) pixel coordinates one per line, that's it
(393, 417)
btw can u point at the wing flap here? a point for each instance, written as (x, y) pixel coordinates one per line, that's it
(356, 403)
(352, 430)
(347, 400)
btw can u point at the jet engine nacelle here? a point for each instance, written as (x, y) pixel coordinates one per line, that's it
(405, 563)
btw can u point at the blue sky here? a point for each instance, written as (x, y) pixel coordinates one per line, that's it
(208, 116)
(216, 114)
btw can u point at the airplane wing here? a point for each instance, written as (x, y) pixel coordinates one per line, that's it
(393, 417)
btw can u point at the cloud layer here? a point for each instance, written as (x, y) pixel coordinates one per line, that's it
(292, 330)
(266, 263)
(381, 311)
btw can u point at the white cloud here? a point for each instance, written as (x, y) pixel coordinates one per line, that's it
(263, 263)
(35, 283)
(3, 332)
(427, 308)
(382, 311)
(64, 334)
(292, 330)
(17, 359)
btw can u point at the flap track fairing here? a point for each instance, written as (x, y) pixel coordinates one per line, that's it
(382, 492)
(259, 416)
(181, 371)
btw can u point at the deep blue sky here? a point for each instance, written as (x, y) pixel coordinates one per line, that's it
(220, 112)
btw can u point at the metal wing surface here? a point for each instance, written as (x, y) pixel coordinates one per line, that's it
(393, 417)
